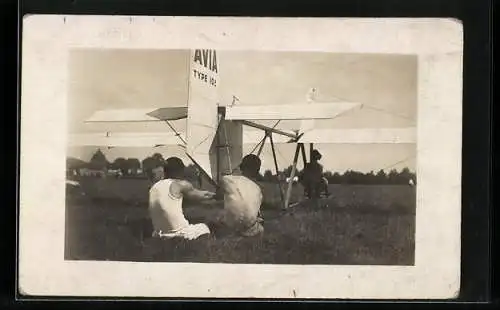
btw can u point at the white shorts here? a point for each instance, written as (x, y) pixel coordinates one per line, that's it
(190, 232)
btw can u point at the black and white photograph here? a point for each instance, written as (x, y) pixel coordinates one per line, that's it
(311, 165)
(241, 157)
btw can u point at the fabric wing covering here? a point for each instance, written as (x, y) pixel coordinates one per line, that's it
(137, 115)
(326, 110)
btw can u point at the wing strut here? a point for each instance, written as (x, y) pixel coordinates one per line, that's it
(175, 131)
(276, 167)
(292, 175)
(261, 147)
(274, 130)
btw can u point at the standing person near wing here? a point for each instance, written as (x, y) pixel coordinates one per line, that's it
(242, 199)
(165, 203)
(312, 177)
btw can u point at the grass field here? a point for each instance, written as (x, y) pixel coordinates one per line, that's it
(372, 225)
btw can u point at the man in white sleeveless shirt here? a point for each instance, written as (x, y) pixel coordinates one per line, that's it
(165, 204)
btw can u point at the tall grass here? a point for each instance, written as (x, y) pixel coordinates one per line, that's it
(361, 225)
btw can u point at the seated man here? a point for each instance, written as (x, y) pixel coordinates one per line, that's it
(165, 203)
(312, 177)
(243, 199)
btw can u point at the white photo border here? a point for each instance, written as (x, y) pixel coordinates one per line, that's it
(46, 41)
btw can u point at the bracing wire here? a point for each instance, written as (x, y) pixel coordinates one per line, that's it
(388, 112)
(378, 110)
(280, 154)
(201, 142)
(399, 161)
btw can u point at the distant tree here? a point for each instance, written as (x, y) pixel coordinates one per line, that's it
(370, 178)
(98, 161)
(158, 158)
(151, 162)
(112, 166)
(148, 164)
(347, 177)
(121, 164)
(405, 176)
(73, 165)
(393, 176)
(133, 164)
(359, 177)
(335, 178)
(381, 177)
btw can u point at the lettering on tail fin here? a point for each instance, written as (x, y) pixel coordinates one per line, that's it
(206, 59)
(202, 121)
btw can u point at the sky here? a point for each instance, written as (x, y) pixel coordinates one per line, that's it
(385, 84)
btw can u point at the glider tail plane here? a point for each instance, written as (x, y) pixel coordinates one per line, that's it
(203, 118)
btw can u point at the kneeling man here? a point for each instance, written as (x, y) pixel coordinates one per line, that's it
(243, 199)
(165, 203)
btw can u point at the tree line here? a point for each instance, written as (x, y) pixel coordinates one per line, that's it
(405, 176)
(129, 167)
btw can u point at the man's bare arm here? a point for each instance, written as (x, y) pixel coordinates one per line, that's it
(193, 194)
